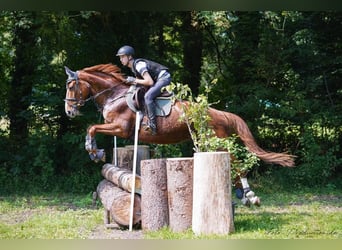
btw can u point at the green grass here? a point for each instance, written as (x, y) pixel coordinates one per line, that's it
(306, 214)
(301, 214)
(47, 217)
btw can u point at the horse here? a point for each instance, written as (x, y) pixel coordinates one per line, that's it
(105, 85)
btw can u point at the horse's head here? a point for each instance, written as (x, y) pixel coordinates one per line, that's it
(77, 92)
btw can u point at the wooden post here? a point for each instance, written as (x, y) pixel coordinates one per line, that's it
(154, 204)
(142, 154)
(121, 177)
(117, 201)
(125, 156)
(179, 185)
(212, 201)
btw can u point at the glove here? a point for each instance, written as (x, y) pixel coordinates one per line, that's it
(130, 79)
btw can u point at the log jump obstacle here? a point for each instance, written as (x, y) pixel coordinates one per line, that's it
(165, 193)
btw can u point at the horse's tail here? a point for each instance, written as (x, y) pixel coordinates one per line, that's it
(240, 128)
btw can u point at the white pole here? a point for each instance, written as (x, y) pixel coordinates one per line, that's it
(115, 153)
(137, 126)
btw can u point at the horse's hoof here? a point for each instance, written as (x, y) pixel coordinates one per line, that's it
(255, 201)
(98, 155)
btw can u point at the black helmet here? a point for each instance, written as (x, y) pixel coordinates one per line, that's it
(125, 50)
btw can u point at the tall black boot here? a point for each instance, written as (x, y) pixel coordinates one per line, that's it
(152, 123)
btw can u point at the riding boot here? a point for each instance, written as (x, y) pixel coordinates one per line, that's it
(151, 113)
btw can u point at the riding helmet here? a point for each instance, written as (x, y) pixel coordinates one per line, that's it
(125, 50)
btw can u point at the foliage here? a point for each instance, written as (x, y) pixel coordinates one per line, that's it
(196, 115)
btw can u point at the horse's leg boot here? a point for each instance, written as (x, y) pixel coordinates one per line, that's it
(152, 123)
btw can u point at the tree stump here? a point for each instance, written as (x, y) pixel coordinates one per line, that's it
(121, 177)
(125, 156)
(179, 185)
(116, 203)
(154, 204)
(212, 201)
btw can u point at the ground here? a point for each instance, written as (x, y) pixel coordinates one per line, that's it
(115, 232)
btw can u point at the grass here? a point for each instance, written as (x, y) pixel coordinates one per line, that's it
(47, 217)
(305, 214)
(301, 214)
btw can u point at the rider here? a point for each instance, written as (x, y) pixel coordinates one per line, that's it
(148, 73)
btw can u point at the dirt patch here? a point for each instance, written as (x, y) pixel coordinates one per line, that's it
(115, 232)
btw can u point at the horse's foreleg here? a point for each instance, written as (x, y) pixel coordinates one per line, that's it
(95, 154)
(248, 196)
(113, 129)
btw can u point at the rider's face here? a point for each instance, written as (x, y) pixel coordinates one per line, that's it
(124, 60)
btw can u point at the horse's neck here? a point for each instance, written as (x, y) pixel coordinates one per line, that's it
(105, 88)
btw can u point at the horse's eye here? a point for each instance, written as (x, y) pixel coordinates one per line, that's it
(70, 86)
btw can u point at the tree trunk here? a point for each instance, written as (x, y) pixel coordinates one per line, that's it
(24, 66)
(179, 185)
(212, 201)
(117, 202)
(121, 177)
(154, 204)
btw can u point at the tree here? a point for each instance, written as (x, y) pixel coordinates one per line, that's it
(22, 76)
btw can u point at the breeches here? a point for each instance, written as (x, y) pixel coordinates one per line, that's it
(155, 90)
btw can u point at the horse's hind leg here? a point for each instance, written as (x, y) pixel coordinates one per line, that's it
(246, 195)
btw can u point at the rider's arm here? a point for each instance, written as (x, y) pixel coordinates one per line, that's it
(147, 80)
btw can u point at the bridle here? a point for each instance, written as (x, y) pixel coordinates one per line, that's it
(77, 102)
(80, 102)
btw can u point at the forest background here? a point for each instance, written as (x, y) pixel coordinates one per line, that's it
(279, 70)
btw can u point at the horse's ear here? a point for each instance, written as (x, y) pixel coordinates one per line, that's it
(71, 74)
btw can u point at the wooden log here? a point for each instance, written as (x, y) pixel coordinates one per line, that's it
(212, 201)
(117, 202)
(125, 156)
(121, 177)
(154, 204)
(179, 186)
(142, 154)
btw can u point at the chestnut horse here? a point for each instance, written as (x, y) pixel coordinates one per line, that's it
(105, 85)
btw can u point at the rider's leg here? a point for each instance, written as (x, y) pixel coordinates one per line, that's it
(150, 95)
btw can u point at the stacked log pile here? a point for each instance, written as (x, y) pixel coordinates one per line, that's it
(115, 190)
(116, 202)
(169, 193)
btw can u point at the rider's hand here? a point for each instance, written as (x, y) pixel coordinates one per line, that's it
(130, 79)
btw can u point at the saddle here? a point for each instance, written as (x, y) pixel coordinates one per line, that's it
(135, 100)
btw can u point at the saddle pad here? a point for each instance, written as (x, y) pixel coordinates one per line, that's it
(163, 106)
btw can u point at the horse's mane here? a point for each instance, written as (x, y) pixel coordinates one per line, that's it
(108, 69)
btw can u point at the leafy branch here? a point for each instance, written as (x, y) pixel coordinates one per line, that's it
(196, 116)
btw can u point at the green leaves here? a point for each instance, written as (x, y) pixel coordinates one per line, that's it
(196, 115)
